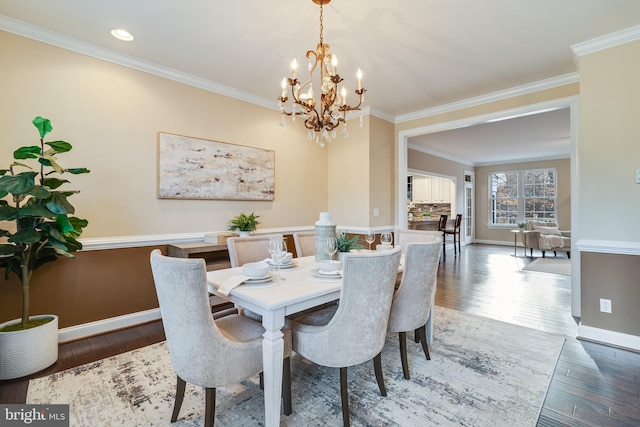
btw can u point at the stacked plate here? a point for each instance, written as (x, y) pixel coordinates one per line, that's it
(273, 265)
(335, 274)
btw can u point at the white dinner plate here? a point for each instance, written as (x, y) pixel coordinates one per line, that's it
(289, 265)
(328, 274)
(264, 279)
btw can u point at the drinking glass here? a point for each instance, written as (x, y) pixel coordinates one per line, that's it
(277, 249)
(331, 246)
(370, 237)
(386, 238)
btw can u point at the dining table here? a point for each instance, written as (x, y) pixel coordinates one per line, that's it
(301, 287)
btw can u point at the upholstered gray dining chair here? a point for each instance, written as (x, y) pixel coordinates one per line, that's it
(353, 331)
(206, 352)
(243, 250)
(402, 237)
(305, 242)
(412, 301)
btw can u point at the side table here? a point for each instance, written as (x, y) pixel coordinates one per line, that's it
(523, 233)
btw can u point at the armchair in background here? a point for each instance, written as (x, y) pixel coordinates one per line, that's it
(545, 236)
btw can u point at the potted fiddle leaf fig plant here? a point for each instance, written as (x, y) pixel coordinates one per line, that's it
(40, 227)
(244, 224)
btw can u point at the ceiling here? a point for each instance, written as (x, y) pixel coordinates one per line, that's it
(415, 54)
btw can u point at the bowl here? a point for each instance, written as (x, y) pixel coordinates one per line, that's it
(384, 247)
(285, 259)
(329, 265)
(255, 270)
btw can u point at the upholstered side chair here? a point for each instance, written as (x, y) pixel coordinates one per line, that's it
(206, 352)
(353, 331)
(412, 301)
(243, 250)
(305, 242)
(403, 237)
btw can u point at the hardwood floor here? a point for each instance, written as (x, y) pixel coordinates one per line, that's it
(593, 385)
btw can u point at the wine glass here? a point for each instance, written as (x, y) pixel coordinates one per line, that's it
(277, 249)
(386, 238)
(370, 237)
(331, 246)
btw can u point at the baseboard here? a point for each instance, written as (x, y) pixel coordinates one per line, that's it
(101, 326)
(612, 338)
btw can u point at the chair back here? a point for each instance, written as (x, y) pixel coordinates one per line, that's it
(413, 299)
(199, 353)
(402, 237)
(442, 224)
(457, 223)
(305, 243)
(247, 249)
(357, 331)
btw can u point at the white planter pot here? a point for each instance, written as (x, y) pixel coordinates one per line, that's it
(28, 351)
(244, 233)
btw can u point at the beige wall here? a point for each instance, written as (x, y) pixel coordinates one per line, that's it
(381, 173)
(111, 115)
(488, 234)
(609, 155)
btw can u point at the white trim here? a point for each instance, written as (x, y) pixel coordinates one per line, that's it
(605, 42)
(491, 97)
(613, 338)
(608, 246)
(72, 333)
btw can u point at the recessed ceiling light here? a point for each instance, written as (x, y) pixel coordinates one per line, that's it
(121, 34)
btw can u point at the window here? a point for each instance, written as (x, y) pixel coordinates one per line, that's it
(516, 196)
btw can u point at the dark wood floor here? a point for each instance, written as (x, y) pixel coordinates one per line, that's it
(593, 385)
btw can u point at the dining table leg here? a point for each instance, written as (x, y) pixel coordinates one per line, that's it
(272, 355)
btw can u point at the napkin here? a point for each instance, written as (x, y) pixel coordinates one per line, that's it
(230, 283)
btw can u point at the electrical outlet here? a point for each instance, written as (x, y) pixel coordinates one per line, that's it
(605, 305)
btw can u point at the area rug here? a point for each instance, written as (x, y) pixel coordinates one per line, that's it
(550, 265)
(482, 372)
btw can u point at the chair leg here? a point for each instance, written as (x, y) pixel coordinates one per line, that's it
(402, 339)
(286, 386)
(455, 248)
(209, 406)
(423, 340)
(377, 367)
(261, 376)
(543, 254)
(416, 336)
(569, 255)
(180, 387)
(344, 394)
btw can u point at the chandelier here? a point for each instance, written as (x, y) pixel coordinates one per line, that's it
(321, 118)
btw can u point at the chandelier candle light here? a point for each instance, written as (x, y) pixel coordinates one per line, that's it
(321, 118)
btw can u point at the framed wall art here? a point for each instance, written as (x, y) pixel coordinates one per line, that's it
(193, 168)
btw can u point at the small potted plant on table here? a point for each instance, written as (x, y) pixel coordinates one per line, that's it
(346, 244)
(244, 224)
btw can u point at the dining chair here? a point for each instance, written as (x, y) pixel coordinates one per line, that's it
(455, 231)
(412, 301)
(305, 243)
(402, 237)
(204, 351)
(353, 331)
(243, 250)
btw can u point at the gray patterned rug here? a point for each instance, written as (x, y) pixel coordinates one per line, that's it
(550, 265)
(482, 372)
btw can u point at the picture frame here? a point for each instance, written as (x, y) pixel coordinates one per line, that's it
(196, 168)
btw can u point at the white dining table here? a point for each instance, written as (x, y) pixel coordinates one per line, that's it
(299, 290)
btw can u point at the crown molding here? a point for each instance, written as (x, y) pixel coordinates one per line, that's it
(56, 39)
(605, 42)
(491, 97)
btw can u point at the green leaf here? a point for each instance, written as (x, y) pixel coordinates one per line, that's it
(59, 146)
(8, 213)
(57, 235)
(31, 152)
(49, 160)
(73, 245)
(35, 210)
(64, 224)
(77, 171)
(58, 204)
(8, 250)
(17, 184)
(53, 183)
(43, 125)
(28, 236)
(39, 192)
